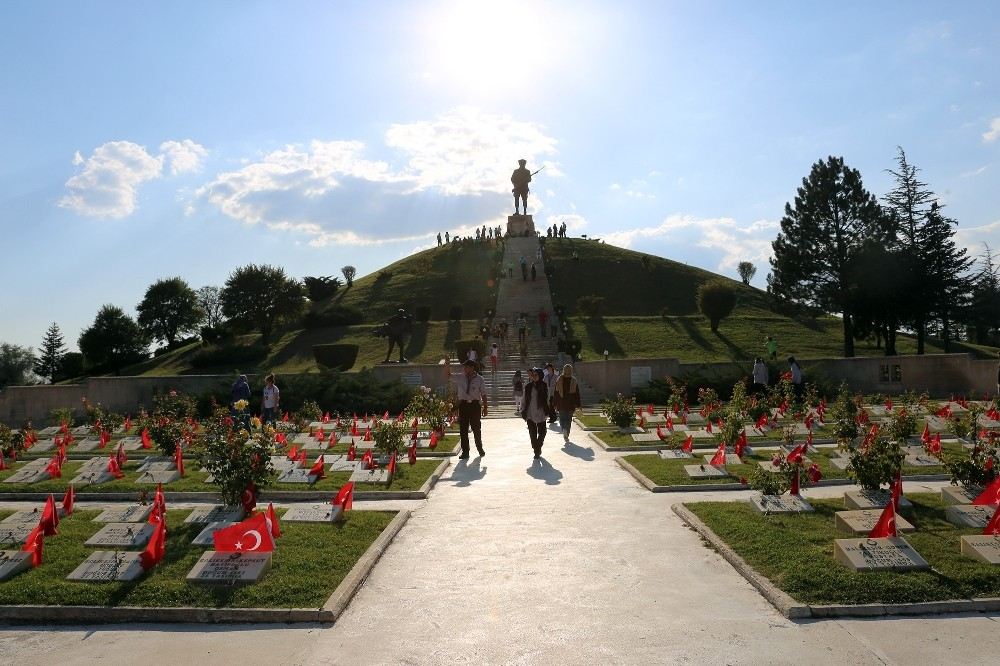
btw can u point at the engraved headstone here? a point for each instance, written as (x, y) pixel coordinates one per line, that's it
(156, 463)
(28, 475)
(700, 433)
(959, 495)
(303, 438)
(88, 444)
(313, 513)
(131, 443)
(297, 475)
(80, 431)
(866, 499)
(134, 513)
(92, 477)
(938, 424)
(982, 547)
(215, 513)
(731, 459)
(106, 565)
(19, 517)
(674, 454)
(340, 463)
(705, 471)
(370, 476)
(49, 431)
(13, 562)
(216, 568)
(969, 515)
(14, 534)
(159, 476)
(646, 437)
(43, 446)
(122, 535)
(204, 537)
(780, 504)
(863, 521)
(888, 554)
(840, 463)
(631, 430)
(921, 460)
(313, 445)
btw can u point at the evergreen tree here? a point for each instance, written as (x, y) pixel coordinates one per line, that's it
(16, 363)
(833, 214)
(113, 341)
(169, 309)
(52, 352)
(259, 297)
(943, 269)
(983, 313)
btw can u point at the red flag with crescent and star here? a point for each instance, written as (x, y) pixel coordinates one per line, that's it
(253, 535)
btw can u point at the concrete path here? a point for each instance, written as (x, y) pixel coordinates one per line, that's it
(563, 561)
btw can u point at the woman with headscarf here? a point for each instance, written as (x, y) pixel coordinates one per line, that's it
(536, 410)
(566, 399)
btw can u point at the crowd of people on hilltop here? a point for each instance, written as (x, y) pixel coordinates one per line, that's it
(556, 231)
(484, 234)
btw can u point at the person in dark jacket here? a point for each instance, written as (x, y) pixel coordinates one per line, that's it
(536, 410)
(566, 399)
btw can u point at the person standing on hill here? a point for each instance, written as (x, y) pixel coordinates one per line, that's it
(471, 397)
(797, 378)
(759, 376)
(239, 391)
(772, 347)
(535, 410)
(566, 399)
(269, 403)
(494, 357)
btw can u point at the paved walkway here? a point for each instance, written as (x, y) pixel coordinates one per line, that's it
(562, 561)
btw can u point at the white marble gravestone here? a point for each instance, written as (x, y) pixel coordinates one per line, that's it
(13, 562)
(105, 566)
(204, 537)
(215, 513)
(922, 460)
(217, 568)
(780, 504)
(313, 513)
(865, 499)
(863, 521)
(731, 459)
(705, 471)
(370, 476)
(675, 454)
(122, 535)
(297, 475)
(888, 554)
(134, 513)
(88, 444)
(969, 515)
(959, 495)
(982, 547)
(15, 534)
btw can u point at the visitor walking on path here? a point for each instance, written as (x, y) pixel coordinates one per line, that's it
(543, 318)
(566, 400)
(518, 385)
(522, 328)
(536, 410)
(471, 396)
(549, 377)
(494, 357)
(772, 347)
(534, 273)
(270, 400)
(759, 376)
(796, 373)
(510, 269)
(239, 391)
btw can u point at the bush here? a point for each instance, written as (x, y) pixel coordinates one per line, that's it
(455, 313)
(321, 288)
(716, 301)
(422, 313)
(214, 335)
(591, 306)
(231, 354)
(70, 365)
(620, 410)
(338, 315)
(338, 356)
(875, 464)
(238, 460)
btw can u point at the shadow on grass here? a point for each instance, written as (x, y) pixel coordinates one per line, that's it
(418, 340)
(600, 337)
(736, 352)
(452, 335)
(692, 331)
(302, 344)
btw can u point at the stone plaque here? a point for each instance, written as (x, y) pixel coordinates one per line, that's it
(969, 515)
(959, 495)
(303, 438)
(840, 463)
(863, 521)
(131, 443)
(705, 472)
(43, 445)
(314, 513)
(204, 537)
(313, 445)
(215, 568)
(13, 562)
(349, 439)
(19, 517)
(370, 476)
(646, 438)
(122, 535)
(28, 475)
(700, 434)
(640, 376)
(134, 513)
(921, 460)
(362, 445)
(982, 547)
(92, 477)
(731, 459)
(215, 513)
(780, 504)
(49, 431)
(297, 475)
(938, 424)
(339, 463)
(105, 566)
(864, 499)
(674, 454)
(14, 534)
(158, 476)
(889, 554)
(654, 418)
(156, 464)
(88, 444)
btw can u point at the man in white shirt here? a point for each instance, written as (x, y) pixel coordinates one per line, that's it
(471, 397)
(269, 403)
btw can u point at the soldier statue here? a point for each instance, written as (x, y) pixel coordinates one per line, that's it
(398, 327)
(520, 179)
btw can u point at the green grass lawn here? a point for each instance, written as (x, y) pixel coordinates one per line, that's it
(671, 472)
(309, 561)
(614, 439)
(796, 553)
(408, 477)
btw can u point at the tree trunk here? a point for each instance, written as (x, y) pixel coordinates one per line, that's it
(848, 335)
(921, 334)
(945, 333)
(890, 342)
(878, 337)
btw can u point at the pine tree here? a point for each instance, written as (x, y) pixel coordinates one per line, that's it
(52, 352)
(943, 268)
(983, 313)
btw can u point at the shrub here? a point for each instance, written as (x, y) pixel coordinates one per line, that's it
(389, 437)
(716, 301)
(875, 464)
(338, 356)
(976, 468)
(429, 408)
(70, 365)
(591, 306)
(455, 313)
(231, 354)
(620, 410)
(902, 424)
(422, 313)
(214, 335)
(239, 461)
(321, 288)
(338, 315)
(844, 412)
(60, 416)
(308, 412)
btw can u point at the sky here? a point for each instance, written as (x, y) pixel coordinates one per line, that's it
(144, 140)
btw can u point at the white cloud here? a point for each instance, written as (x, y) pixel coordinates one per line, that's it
(455, 172)
(975, 172)
(183, 156)
(994, 132)
(107, 182)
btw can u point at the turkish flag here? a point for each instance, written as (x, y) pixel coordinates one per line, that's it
(34, 544)
(660, 433)
(368, 460)
(284, 417)
(925, 436)
(249, 499)
(317, 468)
(272, 521)
(345, 496)
(708, 426)
(888, 404)
(352, 452)
(934, 445)
(385, 417)
(993, 527)
(741, 444)
(368, 435)
(796, 454)
(250, 536)
(50, 517)
(320, 435)
(762, 422)
(115, 468)
(415, 423)
(808, 421)
(354, 429)
(886, 525)
(944, 412)
(720, 455)
(3, 465)
(897, 489)
(67, 501)
(412, 453)
(434, 440)
(293, 452)
(159, 502)
(147, 443)
(54, 469)
(155, 549)
(128, 423)
(688, 445)
(302, 456)
(642, 422)
(989, 496)
(179, 459)
(121, 456)
(794, 490)
(392, 465)
(670, 423)
(326, 417)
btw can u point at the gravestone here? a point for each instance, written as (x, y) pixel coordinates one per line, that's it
(938, 424)
(19, 517)
(888, 554)
(646, 437)
(105, 566)
(922, 460)
(159, 476)
(705, 472)
(654, 419)
(204, 537)
(313, 445)
(959, 495)
(88, 444)
(283, 464)
(134, 513)
(969, 515)
(340, 463)
(313, 513)
(349, 439)
(131, 443)
(80, 431)
(156, 464)
(216, 568)
(631, 430)
(694, 418)
(43, 446)
(700, 433)
(28, 475)
(49, 431)
(780, 504)
(370, 476)
(122, 535)
(14, 534)
(303, 438)
(13, 562)
(215, 513)
(297, 475)
(863, 521)
(866, 499)
(731, 459)
(840, 463)
(674, 454)
(985, 548)
(92, 477)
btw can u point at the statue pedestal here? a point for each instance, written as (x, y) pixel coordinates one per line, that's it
(520, 225)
